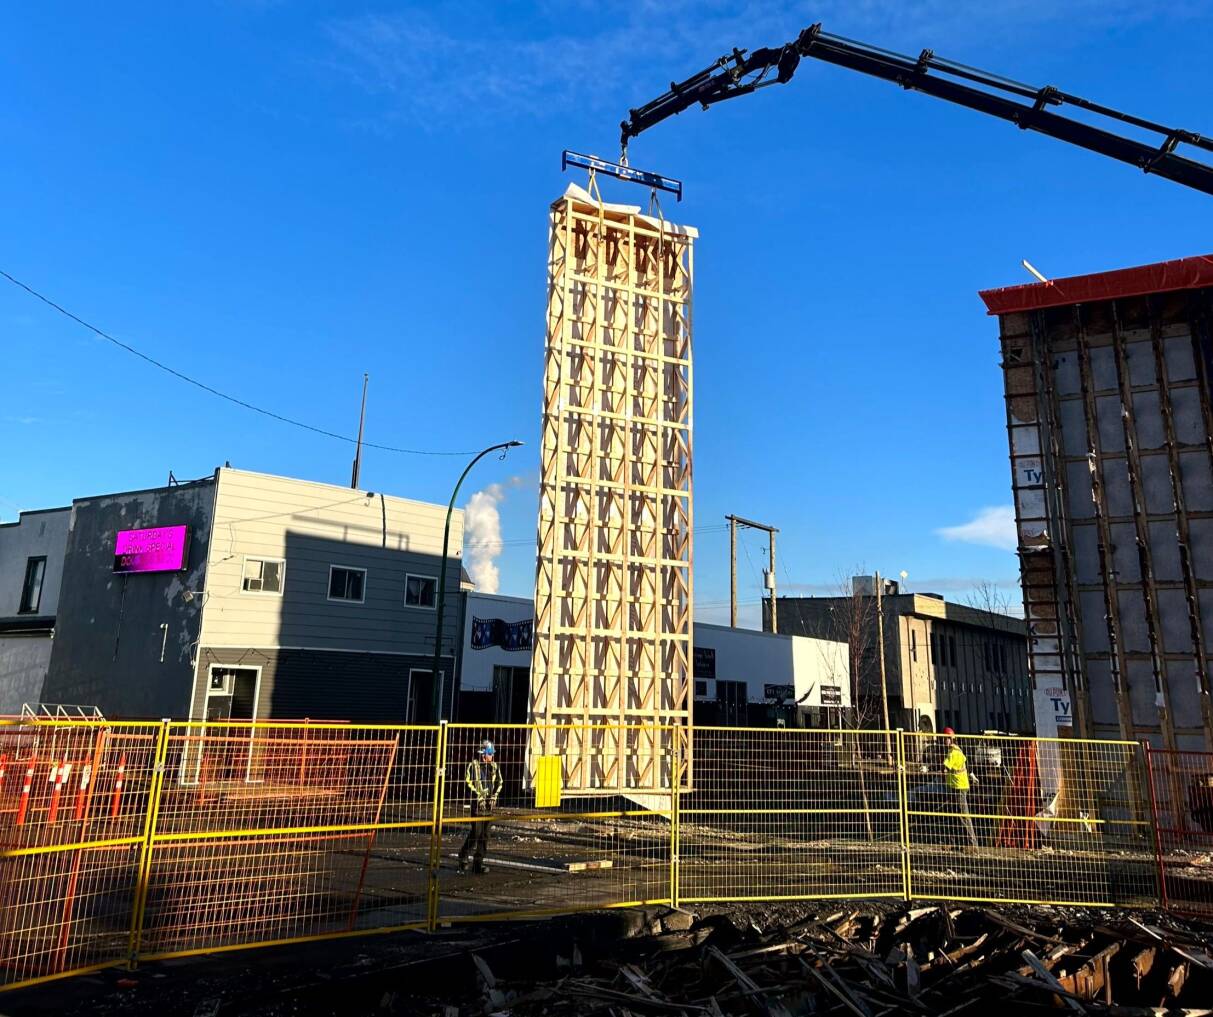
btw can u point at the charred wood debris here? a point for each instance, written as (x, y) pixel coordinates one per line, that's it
(939, 960)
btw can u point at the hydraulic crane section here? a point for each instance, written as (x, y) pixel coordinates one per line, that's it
(744, 71)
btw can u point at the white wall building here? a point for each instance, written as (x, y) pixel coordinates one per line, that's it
(741, 676)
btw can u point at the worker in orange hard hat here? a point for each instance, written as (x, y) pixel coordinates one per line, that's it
(956, 783)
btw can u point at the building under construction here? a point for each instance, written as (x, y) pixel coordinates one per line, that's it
(1111, 441)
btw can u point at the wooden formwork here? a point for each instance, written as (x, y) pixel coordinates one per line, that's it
(613, 595)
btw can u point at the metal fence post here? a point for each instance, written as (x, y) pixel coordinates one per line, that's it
(675, 794)
(439, 809)
(1156, 822)
(907, 885)
(150, 816)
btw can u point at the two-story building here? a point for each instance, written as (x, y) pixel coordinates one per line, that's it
(31, 570)
(248, 596)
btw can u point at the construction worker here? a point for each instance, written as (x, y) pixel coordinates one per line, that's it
(484, 780)
(956, 782)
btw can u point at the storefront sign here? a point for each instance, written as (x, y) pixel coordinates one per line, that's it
(159, 549)
(705, 662)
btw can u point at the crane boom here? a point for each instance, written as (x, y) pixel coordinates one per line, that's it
(745, 71)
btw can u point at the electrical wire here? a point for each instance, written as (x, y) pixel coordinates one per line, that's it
(214, 391)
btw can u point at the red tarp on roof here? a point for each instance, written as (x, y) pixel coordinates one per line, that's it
(1184, 274)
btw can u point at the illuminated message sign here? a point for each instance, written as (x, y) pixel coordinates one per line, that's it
(159, 549)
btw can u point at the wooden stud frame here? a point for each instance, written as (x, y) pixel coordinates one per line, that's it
(612, 670)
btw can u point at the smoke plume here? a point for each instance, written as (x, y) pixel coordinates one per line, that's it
(482, 537)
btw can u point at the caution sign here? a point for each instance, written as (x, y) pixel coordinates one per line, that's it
(548, 782)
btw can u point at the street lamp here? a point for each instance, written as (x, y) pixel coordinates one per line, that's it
(440, 594)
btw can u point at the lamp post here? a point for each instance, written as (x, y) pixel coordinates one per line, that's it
(440, 594)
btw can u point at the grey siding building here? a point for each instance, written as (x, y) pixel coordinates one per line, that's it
(1109, 416)
(294, 599)
(31, 572)
(125, 643)
(946, 665)
(319, 602)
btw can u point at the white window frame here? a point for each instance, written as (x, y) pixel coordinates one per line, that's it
(420, 607)
(345, 600)
(263, 559)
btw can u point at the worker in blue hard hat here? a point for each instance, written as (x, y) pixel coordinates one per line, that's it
(484, 780)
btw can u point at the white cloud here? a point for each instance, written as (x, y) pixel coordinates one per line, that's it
(991, 527)
(431, 62)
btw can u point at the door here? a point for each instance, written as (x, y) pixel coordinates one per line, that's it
(732, 700)
(227, 754)
(232, 693)
(511, 694)
(419, 706)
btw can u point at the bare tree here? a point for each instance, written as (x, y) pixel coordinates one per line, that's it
(853, 621)
(991, 598)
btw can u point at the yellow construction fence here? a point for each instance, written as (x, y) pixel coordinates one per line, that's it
(128, 842)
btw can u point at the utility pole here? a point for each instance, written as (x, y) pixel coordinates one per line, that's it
(732, 572)
(358, 448)
(884, 688)
(734, 522)
(771, 582)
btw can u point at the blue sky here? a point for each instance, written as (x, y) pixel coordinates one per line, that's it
(276, 197)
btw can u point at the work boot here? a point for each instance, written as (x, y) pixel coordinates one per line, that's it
(463, 867)
(480, 868)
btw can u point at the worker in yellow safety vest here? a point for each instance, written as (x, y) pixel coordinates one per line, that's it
(956, 781)
(484, 780)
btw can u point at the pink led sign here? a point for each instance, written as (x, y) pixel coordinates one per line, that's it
(159, 549)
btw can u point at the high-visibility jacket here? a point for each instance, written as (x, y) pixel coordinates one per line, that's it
(956, 769)
(484, 779)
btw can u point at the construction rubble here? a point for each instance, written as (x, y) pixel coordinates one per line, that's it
(845, 959)
(873, 960)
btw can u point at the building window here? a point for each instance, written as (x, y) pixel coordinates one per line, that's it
(1002, 657)
(31, 591)
(988, 661)
(420, 591)
(347, 583)
(701, 688)
(952, 650)
(935, 649)
(914, 645)
(263, 575)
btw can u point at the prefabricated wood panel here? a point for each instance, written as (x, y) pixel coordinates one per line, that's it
(613, 595)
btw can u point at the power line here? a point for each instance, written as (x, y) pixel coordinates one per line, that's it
(207, 388)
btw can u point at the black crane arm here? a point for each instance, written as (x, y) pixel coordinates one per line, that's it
(745, 71)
